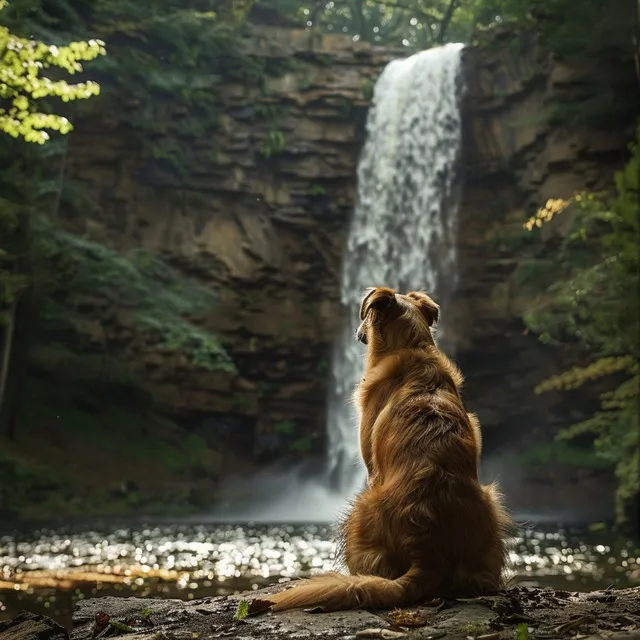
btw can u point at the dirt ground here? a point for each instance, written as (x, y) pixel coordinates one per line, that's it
(519, 613)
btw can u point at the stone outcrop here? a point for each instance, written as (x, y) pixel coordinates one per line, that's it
(31, 626)
(516, 612)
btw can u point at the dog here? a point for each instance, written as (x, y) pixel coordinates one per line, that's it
(424, 526)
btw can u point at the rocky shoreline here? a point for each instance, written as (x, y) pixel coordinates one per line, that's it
(518, 612)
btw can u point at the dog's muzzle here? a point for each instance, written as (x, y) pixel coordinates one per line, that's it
(361, 335)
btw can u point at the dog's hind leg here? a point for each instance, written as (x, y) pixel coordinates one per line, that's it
(365, 551)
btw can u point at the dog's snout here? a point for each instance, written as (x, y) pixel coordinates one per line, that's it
(361, 336)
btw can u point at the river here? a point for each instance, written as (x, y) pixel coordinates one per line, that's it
(47, 569)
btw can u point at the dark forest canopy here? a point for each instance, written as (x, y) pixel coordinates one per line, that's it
(593, 25)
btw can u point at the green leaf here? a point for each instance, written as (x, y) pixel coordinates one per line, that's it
(243, 610)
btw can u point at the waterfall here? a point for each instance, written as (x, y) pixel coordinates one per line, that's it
(402, 235)
(403, 230)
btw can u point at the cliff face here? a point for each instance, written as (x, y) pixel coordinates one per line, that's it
(515, 159)
(262, 220)
(263, 217)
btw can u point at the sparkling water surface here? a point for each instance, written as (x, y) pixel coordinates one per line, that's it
(48, 569)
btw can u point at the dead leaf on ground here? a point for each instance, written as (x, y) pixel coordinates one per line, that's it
(402, 618)
(101, 621)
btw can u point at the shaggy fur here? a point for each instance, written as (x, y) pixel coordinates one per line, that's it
(424, 526)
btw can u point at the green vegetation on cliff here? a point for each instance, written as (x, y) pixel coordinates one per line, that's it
(155, 299)
(588, 300)
(81, 319)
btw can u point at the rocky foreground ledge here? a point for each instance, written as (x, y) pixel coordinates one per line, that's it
(519, 613)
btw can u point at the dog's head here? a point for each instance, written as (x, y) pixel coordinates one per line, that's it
(395, 320)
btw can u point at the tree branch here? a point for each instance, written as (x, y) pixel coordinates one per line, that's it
(446, 20)
(395, 4)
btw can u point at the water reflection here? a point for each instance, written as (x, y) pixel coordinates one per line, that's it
(49, 569)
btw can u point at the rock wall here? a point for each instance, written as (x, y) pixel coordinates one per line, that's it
(263, 221)
(514, 160)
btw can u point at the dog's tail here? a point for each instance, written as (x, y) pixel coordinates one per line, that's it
(335, 592)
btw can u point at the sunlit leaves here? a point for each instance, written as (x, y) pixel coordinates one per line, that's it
(578, 376)
(23, 85)
(546, 213)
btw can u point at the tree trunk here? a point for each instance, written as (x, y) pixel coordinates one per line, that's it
(7, 343)
(61, 176)
(18, 366)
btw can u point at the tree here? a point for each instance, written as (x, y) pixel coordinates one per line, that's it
(25, 114)
(420, 24)
(24, 89)
(589, 299)
(411, 23)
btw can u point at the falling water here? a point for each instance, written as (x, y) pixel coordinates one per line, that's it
(402, 236)
(403, 229)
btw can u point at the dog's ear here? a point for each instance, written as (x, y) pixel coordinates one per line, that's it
(428, 308)
(377, 299)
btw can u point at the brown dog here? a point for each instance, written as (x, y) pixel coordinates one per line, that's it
(424, 526)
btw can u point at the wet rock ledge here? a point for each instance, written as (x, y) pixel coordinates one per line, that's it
(519, 613)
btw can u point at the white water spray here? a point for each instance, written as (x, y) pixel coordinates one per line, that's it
(402, 236)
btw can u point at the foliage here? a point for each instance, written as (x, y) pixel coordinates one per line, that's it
(301, 445)
(21, 483)
(561, 453)
(590, 300)
(24, 88)
(316, 191)
(163, 75)
(243, 610)
(273, 144)
(415, 23)
(285, 428)
(67, 408)
(425, 23)
(157, 297)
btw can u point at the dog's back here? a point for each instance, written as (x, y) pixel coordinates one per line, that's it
(424, 497)
(424, 526)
